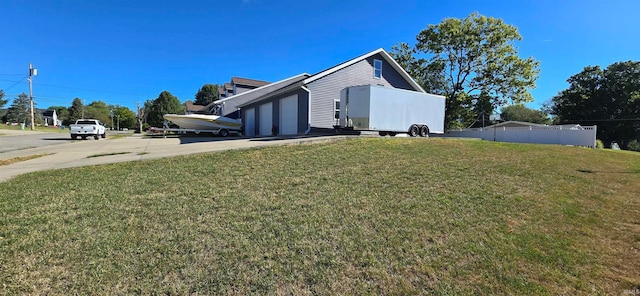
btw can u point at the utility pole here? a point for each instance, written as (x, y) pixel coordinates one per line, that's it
(32, 72)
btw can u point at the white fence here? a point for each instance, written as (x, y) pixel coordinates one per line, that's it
(561, 135)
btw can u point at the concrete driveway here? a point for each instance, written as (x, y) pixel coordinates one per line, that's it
(63, 153)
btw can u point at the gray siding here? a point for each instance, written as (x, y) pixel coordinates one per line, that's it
(303, 100)
(326, 89)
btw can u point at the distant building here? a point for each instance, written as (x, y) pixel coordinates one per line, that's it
(238, 85)
(50, 118)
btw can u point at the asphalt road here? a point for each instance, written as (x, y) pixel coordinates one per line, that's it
(15, 140)
(62, 152)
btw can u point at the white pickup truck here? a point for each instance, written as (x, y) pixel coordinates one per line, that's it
(87, 128)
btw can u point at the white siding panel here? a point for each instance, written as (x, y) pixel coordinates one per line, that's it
(325, 90)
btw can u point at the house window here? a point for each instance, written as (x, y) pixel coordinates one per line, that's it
(377, 69)
(336, 109)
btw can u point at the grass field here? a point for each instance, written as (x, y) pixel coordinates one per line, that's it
(366, 216)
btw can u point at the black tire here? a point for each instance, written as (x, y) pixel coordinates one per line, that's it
(382, 134)
(224, 133)
(97, 137)
(414, 130)
(73, 137)
(104, 135)
(392, 134)
(424, 131)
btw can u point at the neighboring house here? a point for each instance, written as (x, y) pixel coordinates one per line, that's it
(191, 108)
(306, 103)
(239, 85)
(51, 118)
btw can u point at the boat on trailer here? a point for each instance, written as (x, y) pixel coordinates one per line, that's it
(197, 123)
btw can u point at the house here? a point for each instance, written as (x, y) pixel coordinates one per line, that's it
(238, 85)
(50, 118)
(310, 103)
(191, 108)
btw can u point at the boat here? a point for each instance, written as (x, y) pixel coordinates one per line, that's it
(204, 122)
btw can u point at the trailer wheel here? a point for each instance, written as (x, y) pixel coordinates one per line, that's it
(224, 133)
(414, 130)
(424, 131)
(383, 134)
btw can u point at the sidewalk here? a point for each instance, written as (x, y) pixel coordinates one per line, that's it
(137, 147)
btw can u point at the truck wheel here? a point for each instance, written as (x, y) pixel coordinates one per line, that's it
(104, 135)
(424, 131)
(414, 130)
(224, 133)
(97, 137)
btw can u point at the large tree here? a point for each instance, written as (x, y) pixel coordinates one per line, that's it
(473, 62)
(2, 100)
(20, 110)
(123, 117)
(76, 111)
(165, 103)
(207, 94)
(608, 98)
(520, 112)
(97, 110)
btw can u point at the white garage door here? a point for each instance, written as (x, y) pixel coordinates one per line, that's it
(289, 115)
(250, 122)
(266, 119)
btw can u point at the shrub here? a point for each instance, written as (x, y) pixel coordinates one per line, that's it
(599, 144)
(634, 146)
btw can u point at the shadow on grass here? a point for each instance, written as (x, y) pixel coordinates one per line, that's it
(606, 172)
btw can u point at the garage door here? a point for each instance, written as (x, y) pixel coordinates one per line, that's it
(289, 115)
(266, 119)
(250, 122)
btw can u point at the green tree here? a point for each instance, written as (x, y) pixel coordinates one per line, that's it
(207, 94)
(98, 110)
(2, 101)
(20, 110)
(165, 103)
(76, 111)
(520, 112)
(608, 98)
(476, 58)
(123, 117)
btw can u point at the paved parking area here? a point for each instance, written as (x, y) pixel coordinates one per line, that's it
(65, 153)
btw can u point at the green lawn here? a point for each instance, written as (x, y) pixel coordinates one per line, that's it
(366, 216)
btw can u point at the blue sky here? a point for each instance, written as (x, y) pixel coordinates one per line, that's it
(127, 51)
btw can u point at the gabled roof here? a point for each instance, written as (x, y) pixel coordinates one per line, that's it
(191, 107)
(257, 93)
(248, 82)
(380, 51)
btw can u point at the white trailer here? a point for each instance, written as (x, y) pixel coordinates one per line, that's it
(391, 111)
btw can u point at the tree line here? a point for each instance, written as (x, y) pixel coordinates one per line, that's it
(150, 114)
